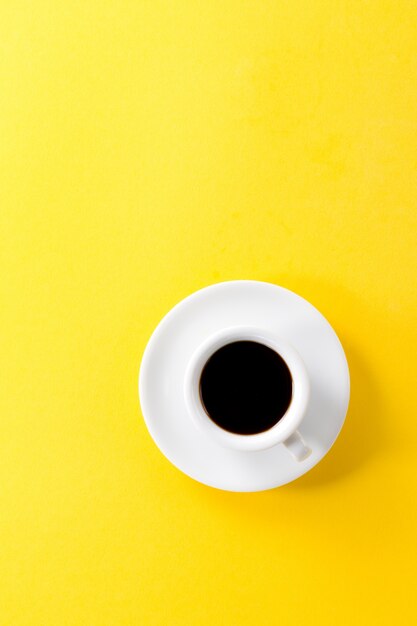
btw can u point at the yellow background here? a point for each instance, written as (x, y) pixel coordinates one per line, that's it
(149, 149)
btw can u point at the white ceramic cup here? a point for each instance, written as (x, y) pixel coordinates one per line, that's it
(285, 430)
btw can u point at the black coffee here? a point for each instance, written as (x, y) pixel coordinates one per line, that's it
(246, 387)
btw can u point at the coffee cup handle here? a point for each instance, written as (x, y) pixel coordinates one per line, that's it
(297, 446)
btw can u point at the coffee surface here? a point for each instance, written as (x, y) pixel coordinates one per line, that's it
(246, 387)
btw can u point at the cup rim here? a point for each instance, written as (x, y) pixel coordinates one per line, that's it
(288, 423)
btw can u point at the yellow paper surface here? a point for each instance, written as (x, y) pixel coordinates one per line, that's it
(149, 149)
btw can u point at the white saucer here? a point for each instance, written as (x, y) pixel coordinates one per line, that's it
(249, 303)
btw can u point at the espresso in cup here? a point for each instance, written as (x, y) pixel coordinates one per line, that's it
(246, 387)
